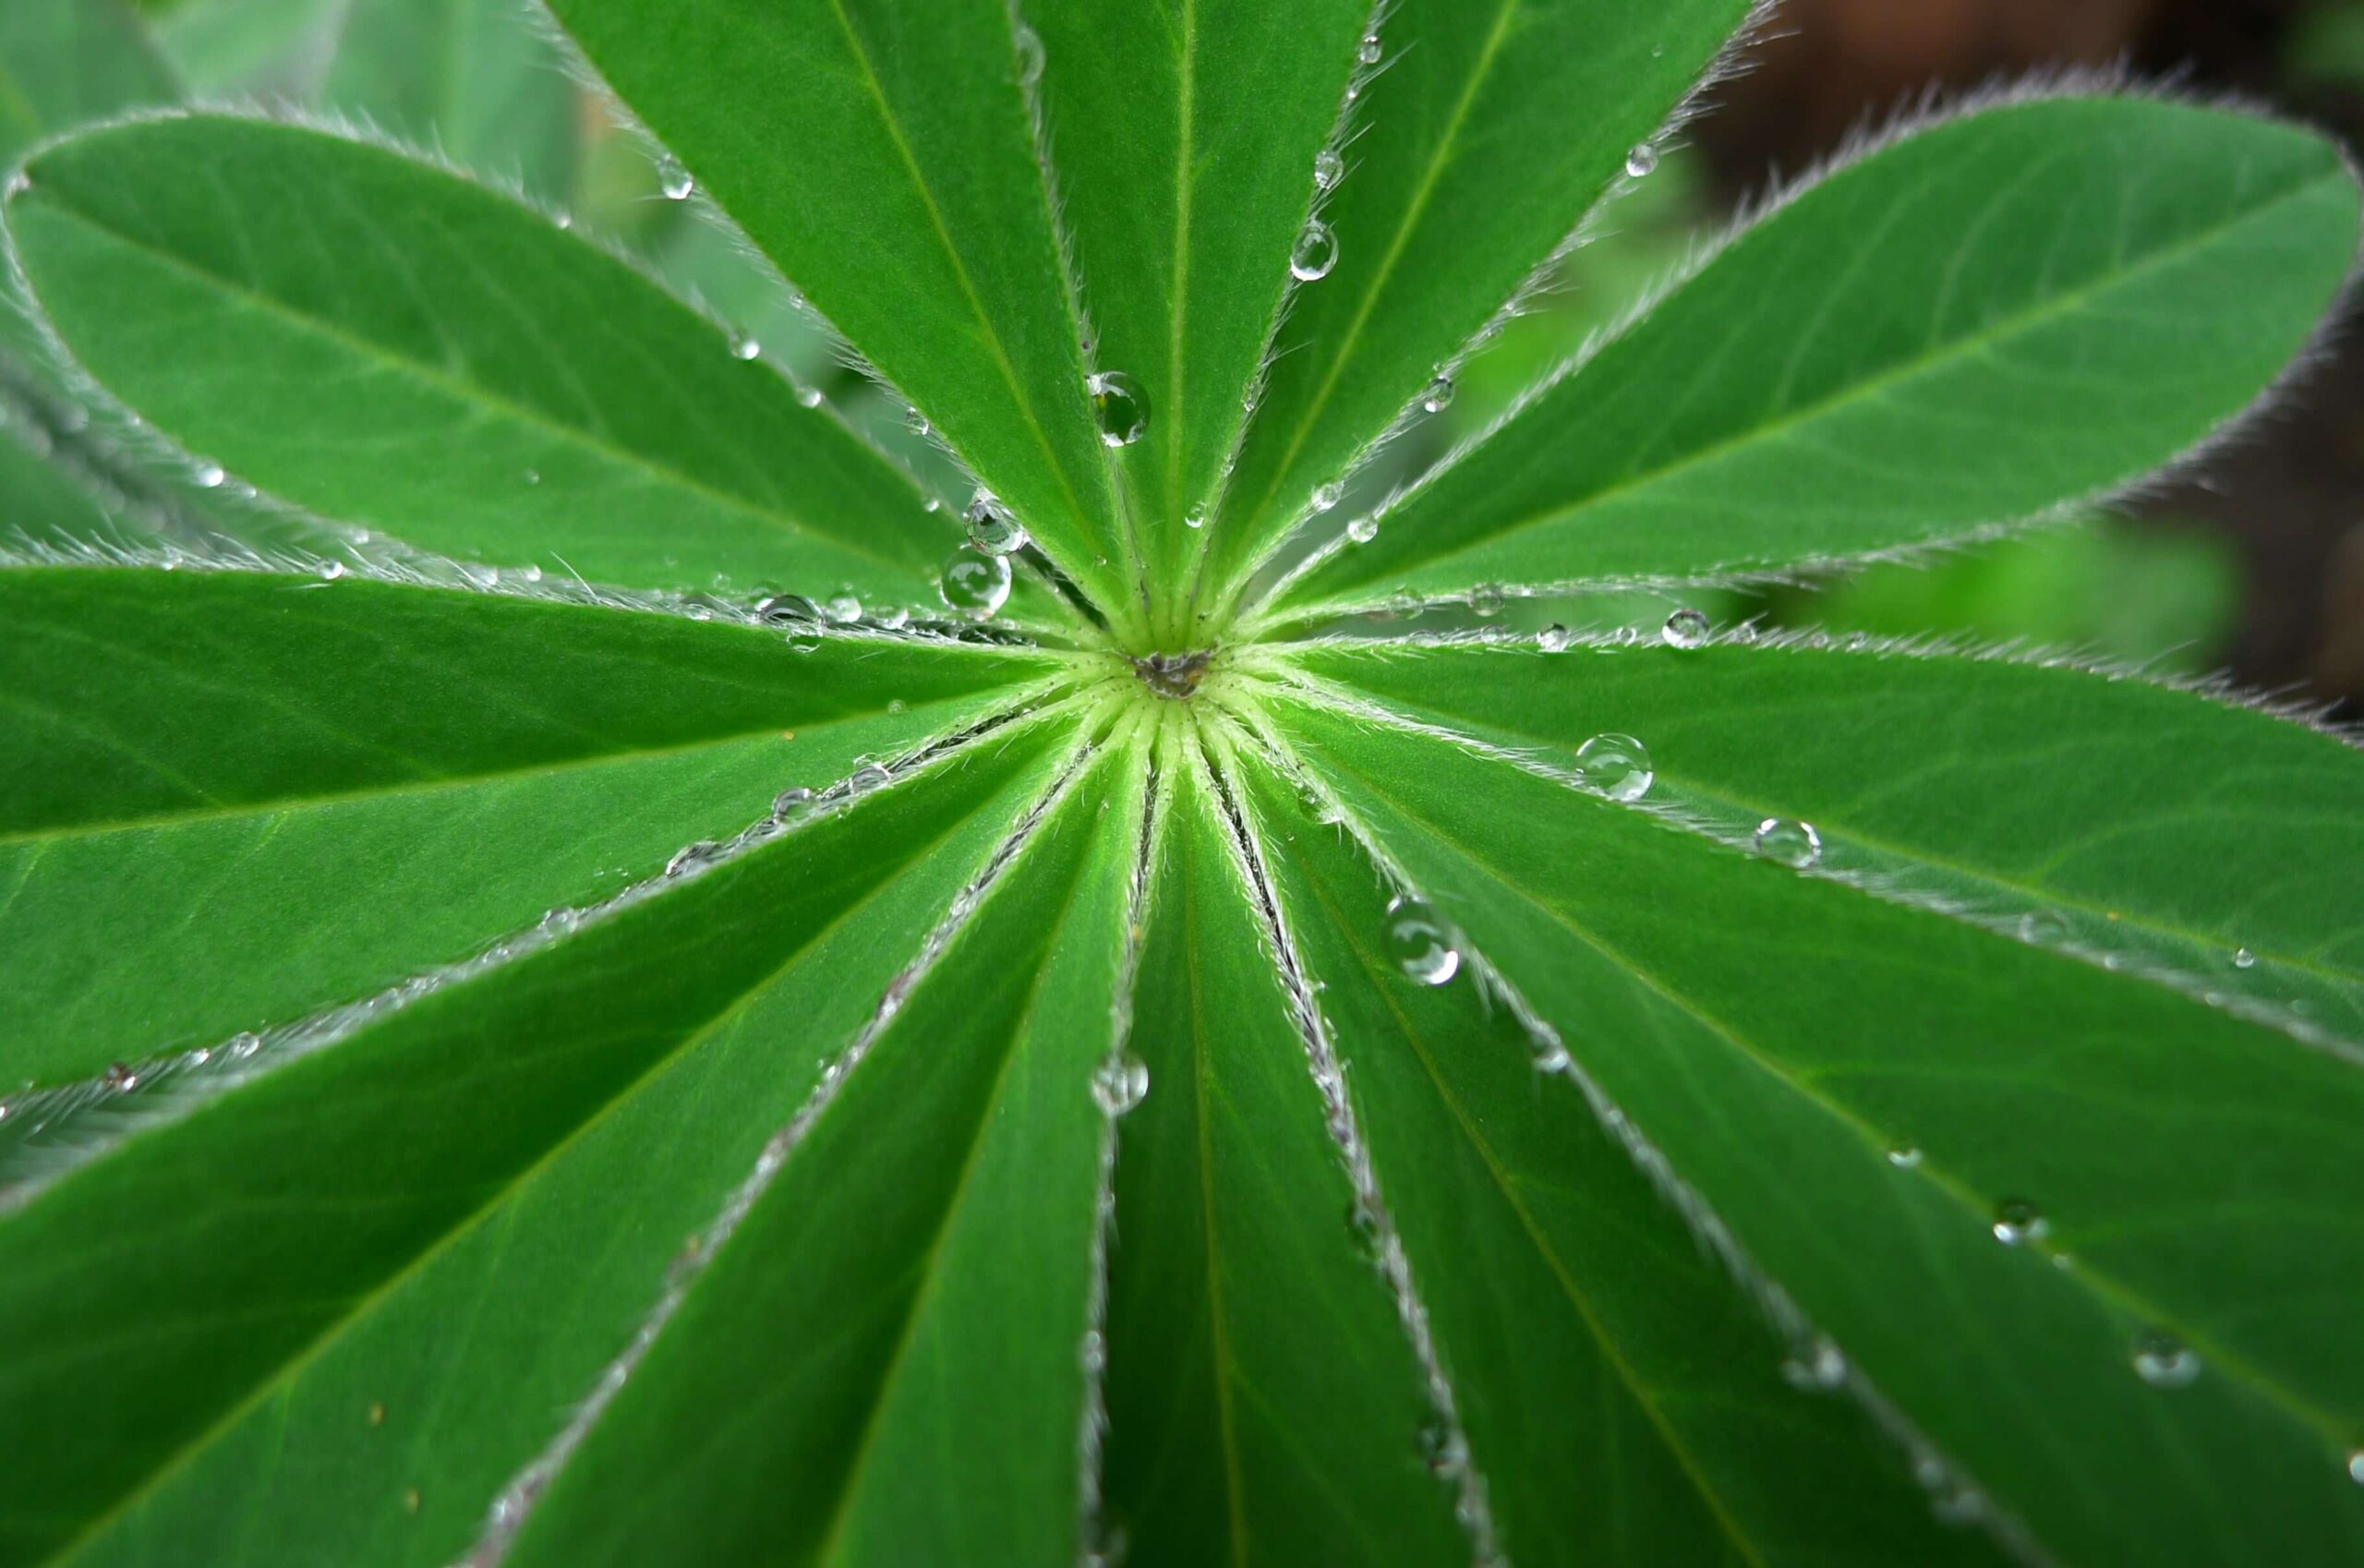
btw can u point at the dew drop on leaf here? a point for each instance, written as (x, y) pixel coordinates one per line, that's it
(1437, 397)
(2244, 959)
(211, 476)
(1420, 947)
(2356, 1466)
(1197, 518)
(120, 1079)
(1363, 530)
(1327, 496)
(974, 585)
(743, 345)
(916, 422)
(991, 527)
(1793, 844)
(868, 777)
(1328, 168)
(1553, 638)
(690, 859)
(1616, 765)
(1816, 1368)
(845, 609)
(1643, 161)
(1120, 1084)
(1904, 1157)
(1362, 1228)
(2041, 929)
(788, 609)
(2163, 1360)
(808, 396)
(1439, 1445)
(674, 180)
(1120, 405)
(1029, 44)
(791, 803)
(1368, 51)
(2017, 1221)
(1487, 600)
(1685, 629)
(1316, 253)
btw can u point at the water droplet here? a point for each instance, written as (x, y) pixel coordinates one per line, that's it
(1441, 1446)
(2044, 930)
(1487, 600)
(793, 802)
(1120, 1084)
(1793, 844)
(1643, 161)
(1327, 496)
(1421, 947)
(788, 609)
(743, 344)
(211, 476)
(533, 476)
(916, 422)
(974, 585)
(1197, 518)
(1120, 405)
(1368, 51)
(1616, 765)
(120, 1079)
(1439, 395)
(808, 396)
(2017, 1221)
(1818, 1367)
(845, 609)
(1554, 638)
(991, 527)
(1685, 629)
(331, 571)
(2356, 1466)
(1362, 1228)
(2244, 959)
(1363, 530)
(869, 775)
(697, 855)
(1328, 168)
(1316, 253)
(1904, 1157)
(674, 180)
(2164, 1361)
(1030, 55)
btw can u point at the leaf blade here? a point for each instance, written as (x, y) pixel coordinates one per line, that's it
(914, 216)
(2048, 300)
(494, 427)
(299, 819)
(1867, 1027)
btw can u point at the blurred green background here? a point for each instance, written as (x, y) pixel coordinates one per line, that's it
(2256, 565)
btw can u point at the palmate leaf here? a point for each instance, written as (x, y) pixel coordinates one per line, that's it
(1157, 1086)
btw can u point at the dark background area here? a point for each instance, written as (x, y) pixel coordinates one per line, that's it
(2288, 498)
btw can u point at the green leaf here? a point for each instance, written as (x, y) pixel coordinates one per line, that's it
(1187, 134)
(913, 214)
(62, 62)
(1263, 1406)
(584, 422)
(474, 79)
(2030, 306)
(422, 1242)
(2206, 842)
(228, 800)
(1623, 1402)
(1488, 135)
(914, 1274)
(1989, 1171)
